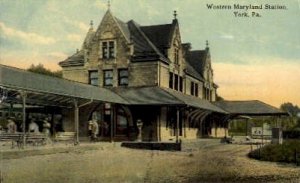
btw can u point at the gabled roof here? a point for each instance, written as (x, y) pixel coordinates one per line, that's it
(192, 72)
(144, 49)
(160, 35)
(197, 59)
(123, 27)
(251, 107)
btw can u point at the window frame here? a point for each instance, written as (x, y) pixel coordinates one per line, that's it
(93, 78)
(180, 83)
(105, 78)
(123, 77)
(192, 88)
(176, 80)
(171, 80)
(108, 48)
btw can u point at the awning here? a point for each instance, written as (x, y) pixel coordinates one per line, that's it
(52, 90)
(250, 108)
(163, 96)
(195, 101)
(147, 96)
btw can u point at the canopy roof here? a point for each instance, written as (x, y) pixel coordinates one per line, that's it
(195, 101)
(164, 96)
(56, 89)
(147, 96)
(251, 108)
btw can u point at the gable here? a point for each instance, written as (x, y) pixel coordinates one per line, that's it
(110, 27)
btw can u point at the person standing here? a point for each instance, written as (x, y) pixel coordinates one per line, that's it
(33, 127)
(95, 130)
(46, 126)
(11, 126)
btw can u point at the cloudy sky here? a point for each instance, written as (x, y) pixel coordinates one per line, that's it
(253, 58)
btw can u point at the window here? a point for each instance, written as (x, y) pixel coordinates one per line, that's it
(176, 82)
(93, 78)
(123, 77)
(104, 50)
(171, 80)
(108, 49)
(180, 83)
(176, 56)
(192, 88)
(111, 49)
(196, 90)
(108, 77)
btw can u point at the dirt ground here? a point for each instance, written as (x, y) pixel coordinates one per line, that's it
(199, 161)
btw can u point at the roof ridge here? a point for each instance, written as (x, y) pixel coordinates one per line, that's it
(154, 25)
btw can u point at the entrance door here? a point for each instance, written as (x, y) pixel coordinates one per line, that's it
(121, 123)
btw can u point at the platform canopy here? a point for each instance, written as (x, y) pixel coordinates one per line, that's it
(249, 108)
(154, 95)
(51, 91)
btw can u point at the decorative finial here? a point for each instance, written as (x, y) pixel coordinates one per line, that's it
(77, 50)
(207, 44)
(175, 14)
(108, 4)
(91, 24)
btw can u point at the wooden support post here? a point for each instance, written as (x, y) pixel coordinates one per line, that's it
(76, 118)
(112, 122)
(177, 126)
(23, 95)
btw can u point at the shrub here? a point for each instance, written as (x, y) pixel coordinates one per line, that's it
(278, 152)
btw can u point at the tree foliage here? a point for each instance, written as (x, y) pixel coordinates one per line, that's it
(42, 70)
(288, 107)
(219, 98)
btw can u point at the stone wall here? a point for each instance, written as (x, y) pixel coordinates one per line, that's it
(143, 74)
(76, 74)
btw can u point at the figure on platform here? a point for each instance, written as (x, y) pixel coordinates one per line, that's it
(46, 126)
(11, 126)
(90, 127)
(95, 130)
(33, 127)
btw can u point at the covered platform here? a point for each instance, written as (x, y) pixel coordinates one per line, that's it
(30, 89)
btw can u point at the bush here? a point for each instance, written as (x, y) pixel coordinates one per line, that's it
(278, 152)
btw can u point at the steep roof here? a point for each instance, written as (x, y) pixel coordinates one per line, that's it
(75, 60)
(251, 107)
(160, 35)
(197, 59)
(123, 27)
(88, 38)
(192, 72)
(144, 49)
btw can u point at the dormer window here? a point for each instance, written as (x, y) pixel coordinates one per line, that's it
(108, 49)
(176, 56)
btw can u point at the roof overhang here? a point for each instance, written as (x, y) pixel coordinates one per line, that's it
(249, 108)
(47, 90)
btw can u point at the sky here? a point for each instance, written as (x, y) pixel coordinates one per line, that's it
(254, 58)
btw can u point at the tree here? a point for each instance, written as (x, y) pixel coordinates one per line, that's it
(291, 109)
(219, 98)
(294, 112)
(42, 70)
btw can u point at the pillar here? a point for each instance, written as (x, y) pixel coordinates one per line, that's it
(76, 118)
